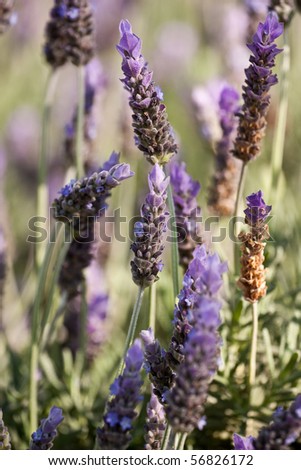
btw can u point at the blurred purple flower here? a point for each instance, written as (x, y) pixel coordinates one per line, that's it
(187, 211)
(120, 410)
(223, 189)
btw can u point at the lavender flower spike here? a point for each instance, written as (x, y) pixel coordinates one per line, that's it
(80, 203)
(148, 245)
(156, 365)
(201, 283)
(120, 411)
(4, 435)
(252, 277)
(43, 437)
(256, 97)
(154, 135)
(195, 348)
(70, 33)
(187, 211)
(223, 189)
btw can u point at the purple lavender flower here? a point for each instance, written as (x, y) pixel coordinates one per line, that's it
(155, 424)
(80, 203)
(257, 210)
(243, 443)
(7, 15)
(223, 189)
(4, 435)
(201, 283)
(69, 33)
(154, 135)
(256, 97)
(187, 211)
(280, 434)
(155, 363)
(195, 347)
(95, 83)
(43, 437)
(148, 245)
(120, 411)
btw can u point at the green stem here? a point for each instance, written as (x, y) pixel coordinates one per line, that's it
(80, 122)
(42, 191)
(279, 138)
(132, 327)
(236, 251)
(182, 441)
(166, 437)
(252, 368)
(177, 440)
(174, 243)
(33, 390)
(252, 371)
(152, 306)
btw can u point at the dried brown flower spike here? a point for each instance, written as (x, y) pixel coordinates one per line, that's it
(252, 278)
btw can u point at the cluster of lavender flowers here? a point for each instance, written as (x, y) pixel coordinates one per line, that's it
(280, 434)
(182, 375)
(69, 33)
(256, 97)
(120, 410)
(149, 231)
(154, 135)
(80, 203)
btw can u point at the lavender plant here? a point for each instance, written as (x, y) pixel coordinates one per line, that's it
(60, 318)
